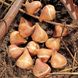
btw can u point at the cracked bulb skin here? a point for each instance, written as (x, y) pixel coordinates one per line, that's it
(32, 47)
(33, 7)
(53, 43)
(25, 61)
(39, 35)
(25, 28)
(58, 60)
(41, 69)
(16, 38)
(44, 54)
(60, 30)
(48, 13)
(15, 51)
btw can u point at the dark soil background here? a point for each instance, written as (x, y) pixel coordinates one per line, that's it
(8, 69)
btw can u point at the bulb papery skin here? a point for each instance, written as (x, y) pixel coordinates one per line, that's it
(44, 54)
(25, 61)
(60, 30)
(48, 13)
(16, 38)
(15, 51)
(41, 69)
(53, 43)
(33, 7)
(39, 34)
(58, 60)
(32, 47)
(25, 28)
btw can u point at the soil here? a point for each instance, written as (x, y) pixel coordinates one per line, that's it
(8, 69)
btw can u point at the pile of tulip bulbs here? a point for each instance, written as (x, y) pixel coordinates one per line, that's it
(50, 53)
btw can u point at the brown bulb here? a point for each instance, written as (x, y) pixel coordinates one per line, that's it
(32, 47)
(25, 28)
(53, 43)
(33, 7)
(16, 38)
(25, 61)
(48, 13)
(39, 34)
(15, 51)
(41, 69)
(60, 30)
(44, 54)
(58, 60)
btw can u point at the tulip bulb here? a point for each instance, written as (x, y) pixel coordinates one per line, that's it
(32, 47)
(25, 61)
(44, 54)
(16, 38)
(41, 69)
(39, 34)
(24, 28)
(60, 30)
(33, 7)
(48, 13)
(53, 43)
(58, 60)
(15, 51)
